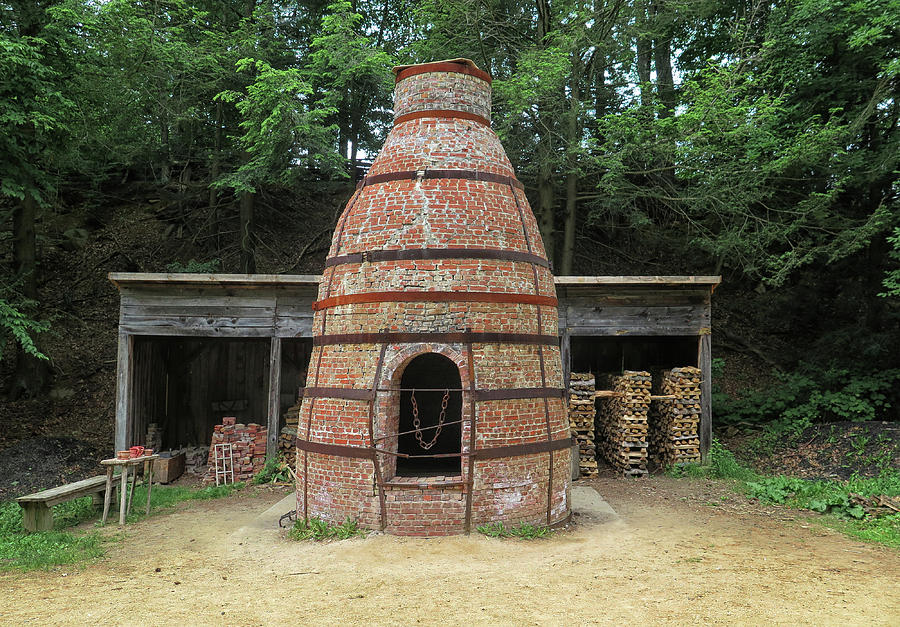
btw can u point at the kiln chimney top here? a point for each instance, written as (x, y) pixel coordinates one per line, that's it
(452, 88)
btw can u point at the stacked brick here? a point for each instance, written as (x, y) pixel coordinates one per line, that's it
(248, 445)
(623, 423)
(441, 212)
(581, 419)
(674, 421)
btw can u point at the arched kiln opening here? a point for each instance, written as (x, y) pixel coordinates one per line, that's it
(430, 415)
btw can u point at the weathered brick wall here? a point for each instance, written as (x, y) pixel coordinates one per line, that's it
(436, 213)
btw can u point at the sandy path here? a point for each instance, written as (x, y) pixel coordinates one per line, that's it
(667, 559)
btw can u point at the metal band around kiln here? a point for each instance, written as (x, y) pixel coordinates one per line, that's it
(428, 254)
(435, 297)
(427, 173)
(513, 450)
(446, 338)
(362, 394)
(441, 66)
(442, 113)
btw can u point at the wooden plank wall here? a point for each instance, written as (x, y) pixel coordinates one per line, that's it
(216, 311)
(643, 310)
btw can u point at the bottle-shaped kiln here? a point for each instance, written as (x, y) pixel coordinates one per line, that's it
(434, 398)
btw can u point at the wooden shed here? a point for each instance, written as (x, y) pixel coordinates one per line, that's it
(195, 347)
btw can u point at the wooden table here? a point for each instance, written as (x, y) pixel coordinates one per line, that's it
(125, 497)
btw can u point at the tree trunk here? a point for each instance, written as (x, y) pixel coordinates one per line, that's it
(31, 374)
(662, 59)
(567, 253)
(545, 204)
(247, 245)
(644, 44)
(214, 174)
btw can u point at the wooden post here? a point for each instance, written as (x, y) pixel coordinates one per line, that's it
(124, 369)
(565, 354)
(108, 495)
(148, 476)
(273, 424)
(704, 359)
(123, 497)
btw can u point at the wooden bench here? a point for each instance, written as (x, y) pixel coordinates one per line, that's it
(37, 512)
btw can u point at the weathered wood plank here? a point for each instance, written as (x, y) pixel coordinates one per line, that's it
(67, 492)
(124, 368)
(274, 404)
(644, 330)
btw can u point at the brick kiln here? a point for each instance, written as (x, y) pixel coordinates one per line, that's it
(434, 399)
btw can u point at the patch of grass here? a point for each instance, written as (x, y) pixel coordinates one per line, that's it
(720, 464)
(33, 551)
(45, 549)
(823, 496)
(166, 497)
(525, 531)
(273, 471)
(319, 530)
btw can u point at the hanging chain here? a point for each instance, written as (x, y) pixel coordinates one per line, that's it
(418, 425)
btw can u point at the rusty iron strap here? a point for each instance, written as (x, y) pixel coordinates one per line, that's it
(434, 297)
(442, 113)
(503, 394)
(336, 450)
(442, 66)
(350, 394)
(376, 467)
(517, 450)
(513, 450)
(446, 338)
(422, 254)
(517, 393)
(412, 175)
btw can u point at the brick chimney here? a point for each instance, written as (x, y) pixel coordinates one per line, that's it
(434, 399)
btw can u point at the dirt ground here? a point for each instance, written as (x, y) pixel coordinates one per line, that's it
(680, 552)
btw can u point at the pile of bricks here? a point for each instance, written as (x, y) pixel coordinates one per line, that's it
(623, 423)
(581, 419)
(675, 418)
(248, 444)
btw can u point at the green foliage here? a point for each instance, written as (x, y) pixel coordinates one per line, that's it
(811, 395)
(194, 266)
(283, 126)
(167, 497)
(720, 464)
(892, 278)
(20, 328)
(526, 531)
(824, 496)
(273, 471)
(42, 550)
(319, 530)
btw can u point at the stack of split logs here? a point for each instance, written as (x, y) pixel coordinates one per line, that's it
(248, 445)
(288, 436)
(675, 418)
(581, 419)
(622, 423)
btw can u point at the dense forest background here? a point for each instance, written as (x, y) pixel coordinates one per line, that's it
(753, 139)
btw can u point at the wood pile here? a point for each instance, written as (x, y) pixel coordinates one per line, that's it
(248, 444)
(287, 447)
(622, 422)
(675, 419)
(581, 419)
(154, 437)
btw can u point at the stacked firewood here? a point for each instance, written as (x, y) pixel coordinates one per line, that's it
(675, 418)
(287, 446)
(248, 446)
(581, 419)
(622, 422)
